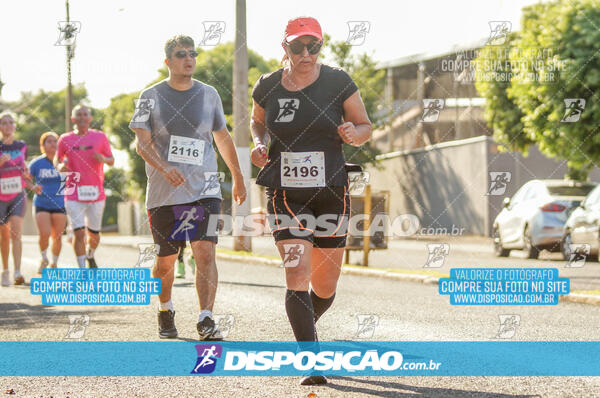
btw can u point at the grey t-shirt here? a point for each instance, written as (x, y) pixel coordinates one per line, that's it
(181, 123)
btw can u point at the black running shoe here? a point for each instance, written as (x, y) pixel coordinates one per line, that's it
(166, 324)
(91, 262)
(313, 380)
(207, 330)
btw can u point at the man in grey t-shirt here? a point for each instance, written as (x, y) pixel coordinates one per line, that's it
(175, 122)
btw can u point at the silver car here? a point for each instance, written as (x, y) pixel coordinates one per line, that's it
(581, 229)
(534, 218)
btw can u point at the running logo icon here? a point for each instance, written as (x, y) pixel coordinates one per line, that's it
(224, 323)
(432, 109)
(508, 326)
(366, 325)
(143, 109)
(574, 109)
(498, 182)
(292, 252)
(148, 254)
(207, 358)
(578, 252)
(287, 109)
(357, 182)
(73, 178)
(212, 182)
(499, 31)
(187, 219)
(77, 325)
(67, 33)
(357, 32)
(212, 33)
(437, 255)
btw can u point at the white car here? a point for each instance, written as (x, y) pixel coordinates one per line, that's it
(583, 226)
(534, 218)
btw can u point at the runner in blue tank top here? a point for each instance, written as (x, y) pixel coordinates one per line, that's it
(48, 202)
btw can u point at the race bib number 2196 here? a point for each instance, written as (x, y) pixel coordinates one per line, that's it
(302, 169)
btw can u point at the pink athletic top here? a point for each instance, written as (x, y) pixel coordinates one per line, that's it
(88, 185)
(12, 182)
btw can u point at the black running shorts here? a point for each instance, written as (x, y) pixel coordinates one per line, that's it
(318, 215)
(173, 225)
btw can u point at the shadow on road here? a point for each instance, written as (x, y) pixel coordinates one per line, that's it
(252, 284)
(404, 390)
(19, 316)
(191, 284)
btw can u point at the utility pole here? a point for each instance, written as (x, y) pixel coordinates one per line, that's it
(241, 128)
(69, 93)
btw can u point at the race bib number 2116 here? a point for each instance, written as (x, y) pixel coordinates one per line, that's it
(186, 150)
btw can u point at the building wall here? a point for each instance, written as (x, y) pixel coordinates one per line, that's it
(446, 185)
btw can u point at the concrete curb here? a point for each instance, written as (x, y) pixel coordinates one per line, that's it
(579, 298)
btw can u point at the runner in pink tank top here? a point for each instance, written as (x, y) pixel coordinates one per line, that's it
(14, 177)
(82, 154)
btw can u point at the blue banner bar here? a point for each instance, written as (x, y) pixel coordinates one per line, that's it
(343, 358)
(100, 286)
(504, 286)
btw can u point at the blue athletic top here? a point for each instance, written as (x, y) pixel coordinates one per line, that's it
(46, 175)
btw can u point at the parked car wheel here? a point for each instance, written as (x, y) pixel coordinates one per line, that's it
(565, 246)
(530, 250)
(499, 251)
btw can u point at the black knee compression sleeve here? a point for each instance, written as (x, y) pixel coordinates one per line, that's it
(320, 305)
(299, 309)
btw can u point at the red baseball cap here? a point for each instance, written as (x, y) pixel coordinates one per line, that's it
(302, 26)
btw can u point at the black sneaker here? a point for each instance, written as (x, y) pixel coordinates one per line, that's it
(91, 262)
(207, 330)
(166, 324)
(313, 380)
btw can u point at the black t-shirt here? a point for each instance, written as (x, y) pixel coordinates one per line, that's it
(304, 122)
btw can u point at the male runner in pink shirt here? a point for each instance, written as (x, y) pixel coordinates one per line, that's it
(86, 151)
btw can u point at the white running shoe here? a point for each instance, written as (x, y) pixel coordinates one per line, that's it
(43, 265)
(5, 278)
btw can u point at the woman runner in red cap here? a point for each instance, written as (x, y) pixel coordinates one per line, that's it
(304, 112)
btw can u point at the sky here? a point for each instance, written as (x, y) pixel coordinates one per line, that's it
(120, 45)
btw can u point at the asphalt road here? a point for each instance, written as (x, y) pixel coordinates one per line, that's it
(463, 251)
(254, 295)
(414, 255)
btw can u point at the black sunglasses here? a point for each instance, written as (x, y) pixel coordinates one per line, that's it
(297, 47)
(183, 53)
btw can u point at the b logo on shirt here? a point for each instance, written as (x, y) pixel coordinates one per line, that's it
(287, 109)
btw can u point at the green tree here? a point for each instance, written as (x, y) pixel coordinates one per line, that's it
(43, 111)
(115, 182)
(370, 81)
(116, 123)
(569, 29)
(493, 73)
